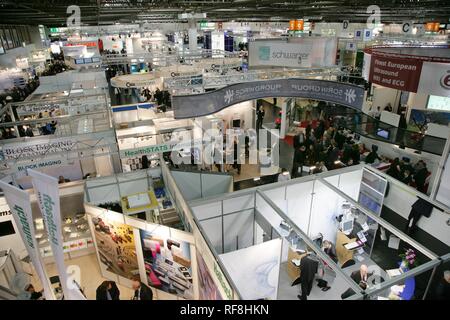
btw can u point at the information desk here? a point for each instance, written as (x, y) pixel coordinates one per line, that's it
(134, 203)
(342, 253)
(292, 270)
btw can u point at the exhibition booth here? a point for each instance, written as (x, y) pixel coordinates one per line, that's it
(76, 236)
(12, 77)
(412, 76)
(189, 72)
(72, 138)
(74, 82)
(261, 235)
(135, 222)
(143, 131)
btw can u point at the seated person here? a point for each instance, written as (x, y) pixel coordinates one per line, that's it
(319, 168)
(360, 275)
(355, 154)
(61, 179)
(394, 170)
(405, 164)
(346, 156)
(406, 177)
(373, 155)
(330, 250)
(420, 175)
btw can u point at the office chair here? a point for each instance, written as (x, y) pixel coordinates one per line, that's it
(348, 263)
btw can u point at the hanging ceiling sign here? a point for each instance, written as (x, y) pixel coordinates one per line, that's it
(191, 106)
(160, 148)
(35, 108)
(36, 148)
(396, 73)
(345, 24)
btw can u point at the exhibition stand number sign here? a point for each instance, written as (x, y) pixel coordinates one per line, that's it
(190, 106)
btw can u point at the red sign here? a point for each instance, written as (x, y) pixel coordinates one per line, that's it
(87, 44)
(396, 73)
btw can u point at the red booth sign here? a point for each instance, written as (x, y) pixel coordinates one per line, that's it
(396, 73)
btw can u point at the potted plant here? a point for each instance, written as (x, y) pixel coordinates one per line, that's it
(409, 259)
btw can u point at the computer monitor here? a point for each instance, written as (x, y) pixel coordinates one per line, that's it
(347, 225)
(383, 133)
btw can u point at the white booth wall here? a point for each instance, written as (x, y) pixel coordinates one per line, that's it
(112, 188)
(228, 223)
(255, 270)
(383, 95)
(312, 205)
(243, 111)
(132, 115)
(196, 185)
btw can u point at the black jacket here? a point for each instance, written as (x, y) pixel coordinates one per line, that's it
(146, 293)
(113, 292)
(308, 267)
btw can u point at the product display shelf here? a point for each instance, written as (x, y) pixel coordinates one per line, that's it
(78, 245)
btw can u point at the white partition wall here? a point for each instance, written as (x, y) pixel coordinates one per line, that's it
(348, 182)
(325, 207)
(196, 185)
(189, 183)
(299, 197)
(228, 223)
(255, 270)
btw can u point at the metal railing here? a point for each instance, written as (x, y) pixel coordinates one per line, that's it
(166, 57)
(373, 128)
(216, 80)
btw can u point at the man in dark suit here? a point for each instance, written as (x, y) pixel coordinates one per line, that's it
(141, 291)
(107, 291)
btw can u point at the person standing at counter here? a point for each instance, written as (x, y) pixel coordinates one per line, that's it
(308, 266)
(141, 291)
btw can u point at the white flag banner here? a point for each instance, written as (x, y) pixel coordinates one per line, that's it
(20, 206)
(47, 194)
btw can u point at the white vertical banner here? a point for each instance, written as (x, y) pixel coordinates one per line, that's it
(20, 206)
(47, 194)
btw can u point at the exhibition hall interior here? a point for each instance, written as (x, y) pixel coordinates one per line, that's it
(225, 150)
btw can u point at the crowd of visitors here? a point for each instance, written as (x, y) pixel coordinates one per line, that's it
(330, 146)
